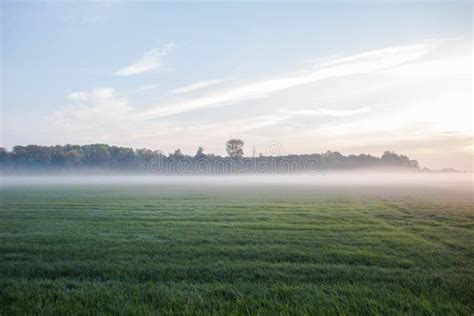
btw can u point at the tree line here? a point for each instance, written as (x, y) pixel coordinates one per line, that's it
(37, 158)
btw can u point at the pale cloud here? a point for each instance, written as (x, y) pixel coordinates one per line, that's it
(366, 63)
(266, 120)
(151, 60)
(198, 86)
(95, 114)
(386, 57)
(78, 95)
(102, 115)
(241, 125)
(95, 94)
(329, 112)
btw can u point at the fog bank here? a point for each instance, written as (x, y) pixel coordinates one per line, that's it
(462, 181)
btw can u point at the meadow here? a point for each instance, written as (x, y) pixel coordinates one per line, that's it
(243, 249)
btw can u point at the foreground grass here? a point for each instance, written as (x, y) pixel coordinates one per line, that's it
(234, 250)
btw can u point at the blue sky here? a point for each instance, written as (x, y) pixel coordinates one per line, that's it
(352, 77)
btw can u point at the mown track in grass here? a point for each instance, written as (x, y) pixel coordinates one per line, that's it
(234, 250)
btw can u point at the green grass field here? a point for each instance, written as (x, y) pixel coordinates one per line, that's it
(250, 250)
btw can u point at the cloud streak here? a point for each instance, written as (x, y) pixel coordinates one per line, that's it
(366, 63)
(151, 60)
(198, 86)
(329, 112)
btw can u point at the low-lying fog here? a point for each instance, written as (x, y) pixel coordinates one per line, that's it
(463, 181)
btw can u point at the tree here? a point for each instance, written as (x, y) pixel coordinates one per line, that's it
(234, 148)
(392, 159)
(414, 164)
(199, 152)
(3, 156)
(177, 153)
(122, 157)
(72, 158)
(96, 155)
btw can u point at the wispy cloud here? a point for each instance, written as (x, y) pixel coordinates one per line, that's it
(198, 86)
(95, 112)
(98, 94)
(329, 112)
(151, 60)
(366, 63)
(266, 120)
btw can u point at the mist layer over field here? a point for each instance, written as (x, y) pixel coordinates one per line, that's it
(362, 179)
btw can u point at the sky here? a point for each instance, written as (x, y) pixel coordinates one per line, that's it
(353, 77)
